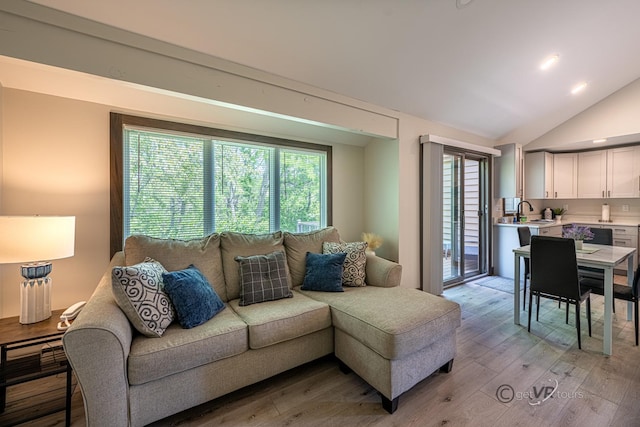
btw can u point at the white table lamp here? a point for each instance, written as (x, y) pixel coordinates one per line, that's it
(36, 240)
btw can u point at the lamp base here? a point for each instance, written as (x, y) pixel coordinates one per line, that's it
(35, 300)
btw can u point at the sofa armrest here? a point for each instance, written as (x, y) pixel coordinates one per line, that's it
(97, 346)
(382, 272)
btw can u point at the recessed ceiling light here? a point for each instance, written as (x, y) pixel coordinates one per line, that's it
(599, 141)
(579, 88)
(548, 62)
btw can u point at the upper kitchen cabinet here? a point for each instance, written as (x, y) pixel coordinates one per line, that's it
(565, 176)
(592, 174)
(623, 172)
(613, 173)
(509, 169)
(538, 176)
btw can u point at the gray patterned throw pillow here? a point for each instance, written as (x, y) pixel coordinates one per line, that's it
(354, 267)
(263, 278)
(138, 291)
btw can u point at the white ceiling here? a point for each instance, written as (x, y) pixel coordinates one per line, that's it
(473, 67)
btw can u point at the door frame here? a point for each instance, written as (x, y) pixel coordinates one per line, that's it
(431, 150)
(484, 229)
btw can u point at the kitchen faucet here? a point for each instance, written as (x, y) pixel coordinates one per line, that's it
(518, 214)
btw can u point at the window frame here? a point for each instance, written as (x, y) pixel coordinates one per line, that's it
(119, 121)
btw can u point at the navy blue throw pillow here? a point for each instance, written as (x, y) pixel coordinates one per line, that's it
(324, 272)
(192, 296)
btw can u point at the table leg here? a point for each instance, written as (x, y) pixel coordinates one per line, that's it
(516, 291)
(608, 312)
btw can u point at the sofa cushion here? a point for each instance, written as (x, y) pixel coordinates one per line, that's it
(298, 244)
(278, 321)
(239, 244)
(394, 322)
(263, 278)
(180, 349)
(192, 296)
(138, 291)
(354, 267)
(324, 272)
(175, 255)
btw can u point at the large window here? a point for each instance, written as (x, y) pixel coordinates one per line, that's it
(183, 181)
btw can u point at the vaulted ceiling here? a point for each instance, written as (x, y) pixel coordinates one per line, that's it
(470, 64)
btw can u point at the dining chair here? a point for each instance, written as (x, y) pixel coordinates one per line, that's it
(524, 235)
(601, 236)
(622, 292)
(554, 275)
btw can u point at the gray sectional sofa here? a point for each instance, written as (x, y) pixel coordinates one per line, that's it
(391, 336)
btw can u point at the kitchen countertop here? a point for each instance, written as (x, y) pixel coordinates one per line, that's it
(532, 224)
(628, 222)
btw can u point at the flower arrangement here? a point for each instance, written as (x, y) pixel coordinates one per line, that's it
(373, 240)
(577, 232)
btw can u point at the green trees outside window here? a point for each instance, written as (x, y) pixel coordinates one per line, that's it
(186, 186)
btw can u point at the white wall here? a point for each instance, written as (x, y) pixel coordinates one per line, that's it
(381, 196)
(614, 116)
(1, 139)
(56, 162)
(348, 191)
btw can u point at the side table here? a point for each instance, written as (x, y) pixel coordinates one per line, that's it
(27, 354)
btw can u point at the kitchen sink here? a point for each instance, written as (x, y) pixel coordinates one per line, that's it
(542, 221)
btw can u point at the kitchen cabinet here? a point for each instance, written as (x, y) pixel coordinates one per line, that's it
(592, 174)
(623, 172)
(506, 240)
(565, 176)
(538, 176)
(613, 173)
(553, 231)
(509, 169)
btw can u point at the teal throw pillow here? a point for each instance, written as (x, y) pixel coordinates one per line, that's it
(324, 272)
(192, 296)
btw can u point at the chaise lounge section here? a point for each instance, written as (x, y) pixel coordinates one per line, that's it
(393, 337)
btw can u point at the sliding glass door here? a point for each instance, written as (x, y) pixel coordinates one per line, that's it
(465, 220)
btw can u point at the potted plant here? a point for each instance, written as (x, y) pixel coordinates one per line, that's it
(558, 212)
(579, 233)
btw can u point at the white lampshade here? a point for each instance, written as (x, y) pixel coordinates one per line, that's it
(36, 238)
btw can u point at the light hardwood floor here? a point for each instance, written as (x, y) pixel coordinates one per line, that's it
(493, 353)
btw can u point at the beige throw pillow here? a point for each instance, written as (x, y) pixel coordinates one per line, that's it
(298, 244)
(138, 291)
(354, 267)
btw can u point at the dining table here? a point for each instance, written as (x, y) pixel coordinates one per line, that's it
(603, 257)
